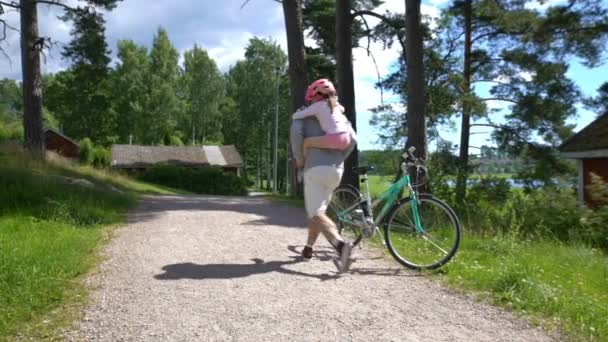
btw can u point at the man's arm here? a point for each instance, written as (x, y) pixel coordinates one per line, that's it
(296, 138)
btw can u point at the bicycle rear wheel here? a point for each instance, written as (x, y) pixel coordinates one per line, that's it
(431, 248)
(343, 198)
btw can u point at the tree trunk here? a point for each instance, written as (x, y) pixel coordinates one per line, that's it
(416, 95)
(292, 10)
(345, 80)
(32, 80)
(461, 182)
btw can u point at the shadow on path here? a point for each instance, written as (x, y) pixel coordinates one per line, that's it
(190, 270)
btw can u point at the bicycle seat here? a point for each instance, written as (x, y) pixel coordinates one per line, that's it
(363, 169)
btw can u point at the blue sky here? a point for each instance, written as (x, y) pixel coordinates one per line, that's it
(224, 30)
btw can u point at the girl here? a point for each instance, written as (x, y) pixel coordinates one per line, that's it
(330, 113)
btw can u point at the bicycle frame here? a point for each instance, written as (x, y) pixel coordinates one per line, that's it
(391, 195)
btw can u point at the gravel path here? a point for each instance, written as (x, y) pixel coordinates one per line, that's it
(227, 269)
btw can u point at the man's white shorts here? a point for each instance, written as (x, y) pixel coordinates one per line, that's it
(319, 184)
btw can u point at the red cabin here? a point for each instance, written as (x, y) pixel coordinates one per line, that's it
(590, 148)
(60, 144)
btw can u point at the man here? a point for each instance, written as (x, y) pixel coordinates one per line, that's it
(323, 171)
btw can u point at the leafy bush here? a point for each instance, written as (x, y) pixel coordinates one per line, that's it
(547, 213)
(11, 131)
(102, 158)
(212, 181)
(86, 151)
(98, 156)
(594, 222)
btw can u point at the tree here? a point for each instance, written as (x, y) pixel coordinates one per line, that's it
(521, 53)
(600, 102)
(345, 80)
(10, 98)
(416, 105)
(129, 91)
(31, 46)
(252, 85)
(440, 86)
(204, 89)
(298, 77)
(292, 10)
(82, 101)
(163, 106)
(32, 79)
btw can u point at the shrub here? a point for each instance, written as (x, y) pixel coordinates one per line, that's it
(102, 157)
(493, 207)
(11, 131)
(86, 151)
(175, 141)
(212, 181)
(594, 221)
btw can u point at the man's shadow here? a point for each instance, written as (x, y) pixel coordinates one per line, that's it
(190, 270)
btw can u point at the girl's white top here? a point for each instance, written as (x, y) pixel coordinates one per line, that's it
(332, 122)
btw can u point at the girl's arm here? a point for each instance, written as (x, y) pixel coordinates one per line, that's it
(306, 112)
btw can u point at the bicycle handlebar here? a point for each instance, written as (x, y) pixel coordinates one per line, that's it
(410, 160)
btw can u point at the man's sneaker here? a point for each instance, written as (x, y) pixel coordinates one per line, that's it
(307, 253)
(345, 251)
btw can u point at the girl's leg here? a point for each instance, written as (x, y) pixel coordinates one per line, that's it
(337, 141)
(316, 142)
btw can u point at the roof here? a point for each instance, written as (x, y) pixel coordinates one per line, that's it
(593, 137)
(47, 130)
(135, 156)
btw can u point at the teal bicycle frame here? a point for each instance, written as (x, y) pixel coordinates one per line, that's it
(390, 196)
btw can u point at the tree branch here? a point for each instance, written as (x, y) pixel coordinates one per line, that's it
(51, 3)
(12, 4)
(491, 125)
(244, 4)
(370, 13)
(383, 19)
(492, 81)
(247, 1)
(369, 53)
(502, 127)
(499, 99)
(10, 62)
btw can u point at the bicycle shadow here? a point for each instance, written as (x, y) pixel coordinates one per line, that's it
(329, 254)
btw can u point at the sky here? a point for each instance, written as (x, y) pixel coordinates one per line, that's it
(224, 29)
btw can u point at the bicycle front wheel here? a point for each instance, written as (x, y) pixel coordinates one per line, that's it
(432, 246)
(345, 197)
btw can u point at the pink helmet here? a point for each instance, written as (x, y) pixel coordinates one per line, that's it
(319, 87)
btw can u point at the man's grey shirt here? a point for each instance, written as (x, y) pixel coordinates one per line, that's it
(310, 127)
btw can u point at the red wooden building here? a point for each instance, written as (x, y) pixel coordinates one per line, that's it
(60, 144)
(590, 148)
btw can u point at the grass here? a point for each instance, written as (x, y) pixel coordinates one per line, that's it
(554, 284)
(50, 232)
(378, 184)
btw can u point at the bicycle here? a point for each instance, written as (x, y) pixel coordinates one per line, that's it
(420, 231)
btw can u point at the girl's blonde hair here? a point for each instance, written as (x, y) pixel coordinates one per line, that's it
(332, 101)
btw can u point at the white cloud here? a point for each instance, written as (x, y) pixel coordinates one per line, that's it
(542, 5)
(224, 29)
(229, 51)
